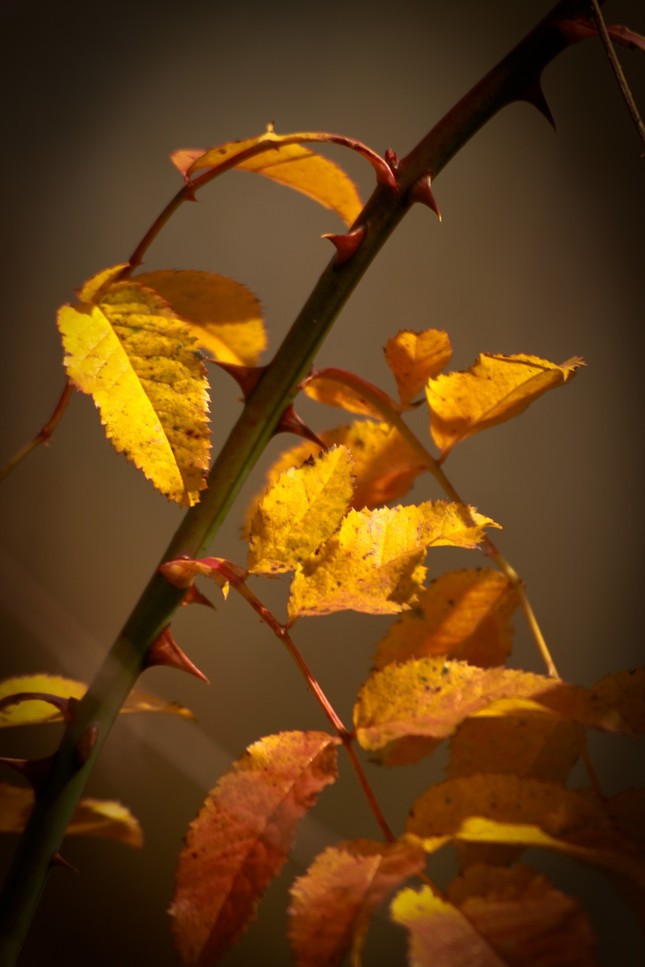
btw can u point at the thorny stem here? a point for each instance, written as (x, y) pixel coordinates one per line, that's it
(43, 435)
(617, 68)
(514, 78)
(389, 411)
(343, 732)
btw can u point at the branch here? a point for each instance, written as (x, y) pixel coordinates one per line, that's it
(516, 77)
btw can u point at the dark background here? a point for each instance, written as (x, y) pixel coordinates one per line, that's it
(540, 251)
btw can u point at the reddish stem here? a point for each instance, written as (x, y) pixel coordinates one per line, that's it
(43, 435)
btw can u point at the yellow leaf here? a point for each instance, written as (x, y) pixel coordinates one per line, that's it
(462, 614)
(286, 162)
(439, 935)
(332, 903)
(300, 511)
(403, 710)
(34, 711)
(496, 388)
(141, 365)
(414, 357)
(331, 392)
(384, 464)
(224, 316)
(240, 839)
(525, 812)
(92, 817)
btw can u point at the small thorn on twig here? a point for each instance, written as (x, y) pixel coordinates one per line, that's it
(35, 771)
(246, 377)
(346, 245)
(194, 596)
(165, 651)
(59, 860)
(290, 422)
(421, 192)
(534, 95)
(392, 160)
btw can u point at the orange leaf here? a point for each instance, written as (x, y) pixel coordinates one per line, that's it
(414, 357)
(92, 817)
(496, 388)
(332, 903)
(625, 692)
(224, 316)
(241, 837)
(332, 392)
(140, 364)
(300, 511)
(516, 811)
(462, 614)
(439, 935)
(403, 710)
(33, 712)
(283, 159)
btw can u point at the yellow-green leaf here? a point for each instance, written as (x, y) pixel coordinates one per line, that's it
(496, 388)
(283, 159)
(414, 357)
(332, 903)
(462, 614)
(300, 511)
(92, 817)
(140, 364)
(516, 811)
(35, 711)
(224, 316)
(404, 710)
(240, 839)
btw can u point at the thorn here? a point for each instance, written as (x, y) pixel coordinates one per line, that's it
(534, 95)
(165, 651)
(194, 596)
(290, 422)
(59, 860)
(346, 245)
(246, 377)
(422, 192)
(392, 160)
(85, 745)
(35, 771)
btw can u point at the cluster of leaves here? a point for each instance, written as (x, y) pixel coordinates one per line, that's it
(328, 517)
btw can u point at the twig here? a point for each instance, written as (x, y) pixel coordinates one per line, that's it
(42, 436)
(618, 70)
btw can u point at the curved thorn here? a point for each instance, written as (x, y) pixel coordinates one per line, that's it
(534, 95)
(290, 422)
(165, 651)
(421, 192)
(194, 596)
(346, 245)
(59, 860)
(246, 377)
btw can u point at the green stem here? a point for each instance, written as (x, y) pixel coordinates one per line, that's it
(514, 78)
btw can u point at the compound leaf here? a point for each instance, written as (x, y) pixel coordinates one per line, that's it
(240, 839)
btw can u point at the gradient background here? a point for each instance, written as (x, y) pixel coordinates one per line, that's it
(540, 251)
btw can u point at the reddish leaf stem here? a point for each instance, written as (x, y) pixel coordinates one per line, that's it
(43, 435)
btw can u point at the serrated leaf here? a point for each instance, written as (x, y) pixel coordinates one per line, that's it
(439, 935)
(241, 837)
(384, 464)
(224, 316)
(34, 712)
(92, 817)
(331, 905)
(414, 357)
(404, 710)
(516, 811)
(300, 511)
(374, 563)
(286, 162)
(496, 388)
(462, 614)
(140, 364)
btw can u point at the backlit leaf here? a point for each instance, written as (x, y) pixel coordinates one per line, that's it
(224, 316)
(496, 388)
(374, 563)
(439, 935)
(34, 712)
(300, 511)
(384, 464)
(404, 710)
(462, 614)
(284, 161)
(414, 357)
(140, 364)
(332, 392)
(332, 903)
(517, 811)
(241, 837)
(92, 817)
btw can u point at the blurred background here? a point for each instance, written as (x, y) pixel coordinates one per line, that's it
(540, 251)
